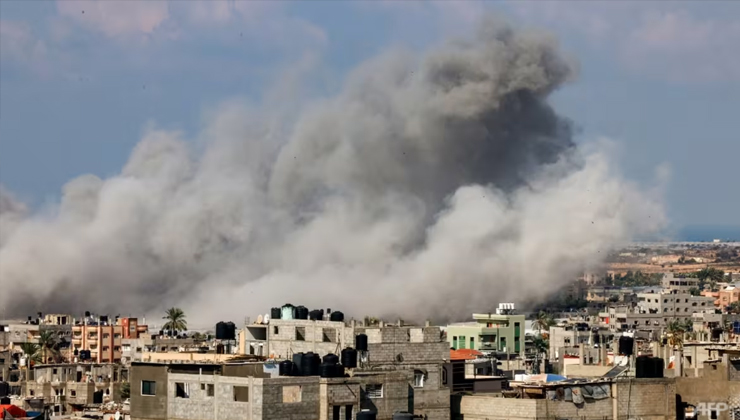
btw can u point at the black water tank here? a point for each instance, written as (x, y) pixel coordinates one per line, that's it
(298, 364)
(626, 345)
(643, 367)
(285, 368)
(716, 333)
(4, 389)
(349, 357)
(310, 364)
(367, 415)
(331, 358)
(328, 370)
(301, 312)
(316, 315)
(220, 330)
(361, 342)
(336, 316)
(403, 416)
(276, 313)
(658, 367)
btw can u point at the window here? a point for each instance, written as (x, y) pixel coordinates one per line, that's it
(148, 388)
(374, 390)
(292, 394)
(713, 414)
(329, 335)
(300, 333)
(241, 393)
(275, 330)
(54, 371)
(73, 393)
(202, 387)
(419, 379)
(182, 390)
(210, 391)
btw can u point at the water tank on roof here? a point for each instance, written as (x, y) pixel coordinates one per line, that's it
(310, 364)
(301, 312)
(285, 368)
(275, 313)
(402, 415)
(330, 370)
(658, 367)
(288, 311)
(643, 367)
(331, 358)
(367, 415)
(361, 342)
(336, 316)
(316, 315)
(225, 331)
(298, 364)
(349, 358)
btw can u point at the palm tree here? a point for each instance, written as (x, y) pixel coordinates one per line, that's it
(49, 346)
(676, 331)
(543, 322)
(175, 320)
(32, 351)
(541, 346)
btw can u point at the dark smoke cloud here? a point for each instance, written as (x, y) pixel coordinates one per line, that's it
(428, 187)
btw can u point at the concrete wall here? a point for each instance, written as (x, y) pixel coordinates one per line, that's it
(149, 407)
(282, 341)
(652, 399)
(713, 388)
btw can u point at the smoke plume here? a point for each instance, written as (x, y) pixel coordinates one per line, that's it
(429, 186)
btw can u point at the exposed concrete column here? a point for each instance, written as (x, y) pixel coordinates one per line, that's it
(678, 362)
(581, 354)
(603, 354)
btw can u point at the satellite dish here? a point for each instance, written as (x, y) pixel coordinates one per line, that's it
(259, 319)
(266, 319)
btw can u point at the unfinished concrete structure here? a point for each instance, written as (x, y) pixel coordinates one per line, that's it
(66, 387)
(246, 391)
(652, 398)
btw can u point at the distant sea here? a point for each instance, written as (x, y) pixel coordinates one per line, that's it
(708, 233)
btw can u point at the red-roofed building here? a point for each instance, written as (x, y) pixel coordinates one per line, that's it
(464, 354)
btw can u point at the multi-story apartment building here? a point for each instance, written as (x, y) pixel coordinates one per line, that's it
(104, 339)
(501, 332)
(680, 284)
(673, 304)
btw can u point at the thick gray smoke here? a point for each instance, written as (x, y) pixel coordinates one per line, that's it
(428, 187)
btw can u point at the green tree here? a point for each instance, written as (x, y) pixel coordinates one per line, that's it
(676, 330)
(543, 322)
(734, 308)
(175, 320)
(695, 291)
(32, 351)
(541, 348)
(49, 346)
(125, 391)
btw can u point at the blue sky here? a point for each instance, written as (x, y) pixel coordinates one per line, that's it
(81, 80)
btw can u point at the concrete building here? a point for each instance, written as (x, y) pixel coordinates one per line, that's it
(501, 332)
(402, 370)
(679, 283)
(68, 387)
(716, 388)
(247, 391)
(104, 339)
(616, 399)
(728, 296)
(676, 305)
